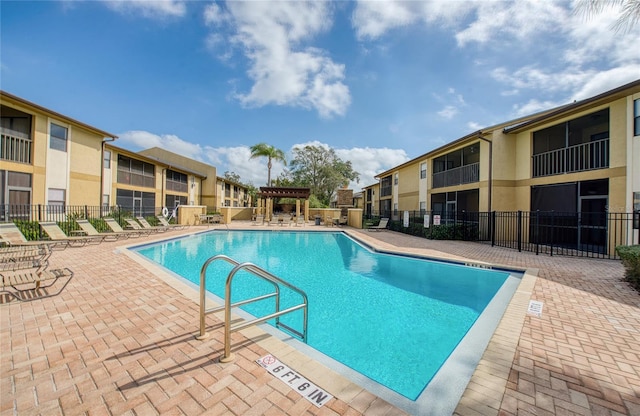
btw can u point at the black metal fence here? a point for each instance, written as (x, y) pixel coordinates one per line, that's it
(28, 216)
(590, 234)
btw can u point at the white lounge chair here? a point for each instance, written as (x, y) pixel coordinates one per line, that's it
(381, 226)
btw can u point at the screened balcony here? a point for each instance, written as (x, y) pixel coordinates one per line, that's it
(582, 157)
(577, 145)
(15, 146)
(457, 176)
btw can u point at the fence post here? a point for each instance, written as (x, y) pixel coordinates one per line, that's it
(519, 230)
(492, 227)
(553, 226)
(86, 212)
(537, 232)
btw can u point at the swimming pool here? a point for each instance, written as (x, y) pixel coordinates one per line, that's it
(394, 319)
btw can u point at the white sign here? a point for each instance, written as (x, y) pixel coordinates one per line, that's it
(436, 220)
(304, 387)
(405, 219)
(426, 220)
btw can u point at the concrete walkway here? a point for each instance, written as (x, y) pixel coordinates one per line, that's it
(120, 339)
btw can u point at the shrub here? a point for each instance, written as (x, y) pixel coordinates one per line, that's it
(630, 256)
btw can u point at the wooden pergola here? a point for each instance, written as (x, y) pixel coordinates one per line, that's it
(268, 193)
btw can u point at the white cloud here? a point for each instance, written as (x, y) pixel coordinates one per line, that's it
(533, 106)
(522, 20)
(372, 19)
(149, 8)
(283, 68)
(141, 140)
(448, 112)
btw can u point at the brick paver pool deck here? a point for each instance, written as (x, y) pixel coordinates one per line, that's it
(120, 339)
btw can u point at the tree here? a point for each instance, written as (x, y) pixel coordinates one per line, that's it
(629, 12)
(233, 177)
(321, 170)
(271, 153)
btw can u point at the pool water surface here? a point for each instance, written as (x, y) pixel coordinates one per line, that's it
(394, 319)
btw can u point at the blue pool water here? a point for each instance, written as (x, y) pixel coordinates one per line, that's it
(394, 319)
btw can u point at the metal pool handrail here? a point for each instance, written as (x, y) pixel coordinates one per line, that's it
(264, 275)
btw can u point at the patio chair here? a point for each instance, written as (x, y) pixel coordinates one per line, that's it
(300, 221)
(134, 225)
(12, 236)
(145, 224)
(381, 226)
(116, 228)
(89, 230)
(285, 220)
(344, 220)
(258, 220)
(55, 233)
(24, 257)
(166, 223)
(22, 281)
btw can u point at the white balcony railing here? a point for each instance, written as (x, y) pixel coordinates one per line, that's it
(457, 176)
(586, 156)
(15, 146)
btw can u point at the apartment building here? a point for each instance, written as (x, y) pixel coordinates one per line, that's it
(583, 157)
(47, 158)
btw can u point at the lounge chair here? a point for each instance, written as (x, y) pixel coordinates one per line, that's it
(166, 223)
(89, 230)
(145, 225)
(24, 257)
(258, 220)
(285, 220)
(300, 221)
(381, 226)
(55, 233)
(116, 228)
(135, 226)
(12, 236)
(32, 279)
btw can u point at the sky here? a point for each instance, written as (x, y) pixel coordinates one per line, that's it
(380, 82)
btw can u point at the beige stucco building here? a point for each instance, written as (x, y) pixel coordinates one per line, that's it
(581, 157)
(48, 159)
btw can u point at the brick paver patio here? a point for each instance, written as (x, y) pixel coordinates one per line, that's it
(118, 339)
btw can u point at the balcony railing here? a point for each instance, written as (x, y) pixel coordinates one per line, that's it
(15, 146)
(586, 156)
(457, 176)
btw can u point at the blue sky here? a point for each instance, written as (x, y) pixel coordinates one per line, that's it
(381, 82)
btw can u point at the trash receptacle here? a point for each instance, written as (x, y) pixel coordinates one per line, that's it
(318, 220)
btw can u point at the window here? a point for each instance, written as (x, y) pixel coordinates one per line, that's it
(176, 181)
(135, 172)
(56, 196)
(107, 159)
(395, 208)
(172, 201)
(15, 195)
(395, 178)
(423, 206)
(385, 186)
(58, 137)
(105, 200)
(423, 170)
(636, 117)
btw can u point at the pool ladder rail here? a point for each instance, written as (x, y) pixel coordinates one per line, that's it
(262, 274)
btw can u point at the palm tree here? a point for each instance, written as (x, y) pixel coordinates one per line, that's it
(628, 17)
(271, 153)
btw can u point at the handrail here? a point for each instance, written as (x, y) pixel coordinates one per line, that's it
(263, 274)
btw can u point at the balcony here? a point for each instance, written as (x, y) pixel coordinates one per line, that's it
(457, 176)
(15, 146)
(579, 158)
